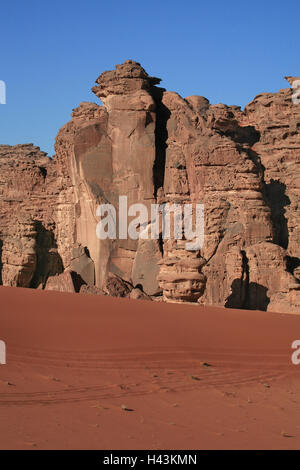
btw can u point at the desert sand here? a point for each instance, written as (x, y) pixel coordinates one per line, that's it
(95, 372)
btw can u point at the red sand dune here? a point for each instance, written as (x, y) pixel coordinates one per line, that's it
(74, 362)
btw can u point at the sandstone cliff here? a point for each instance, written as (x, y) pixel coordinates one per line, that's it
(156, 147)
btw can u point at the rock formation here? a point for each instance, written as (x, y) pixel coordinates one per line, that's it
(154, 146)
(19, 257)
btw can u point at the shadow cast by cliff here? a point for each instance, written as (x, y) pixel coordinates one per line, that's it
(49, 262)
(276, 198)
(250, 296)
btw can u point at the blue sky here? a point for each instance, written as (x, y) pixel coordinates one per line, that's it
(52, 52)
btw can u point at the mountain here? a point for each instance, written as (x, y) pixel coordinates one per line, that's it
(156, 147)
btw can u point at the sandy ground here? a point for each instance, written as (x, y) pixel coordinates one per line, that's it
(91, 372)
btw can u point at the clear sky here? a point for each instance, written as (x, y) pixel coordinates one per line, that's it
(52, 51)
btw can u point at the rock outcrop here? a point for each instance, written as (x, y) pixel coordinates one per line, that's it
(108, 152)
(61, 282)
(19, 258)
(154, 146)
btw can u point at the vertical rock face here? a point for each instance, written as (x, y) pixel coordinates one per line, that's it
(277, 120)
(29, 205)
(19, 254)
(153, 146)
(278, 123)
(111, 152)
(210, 161)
